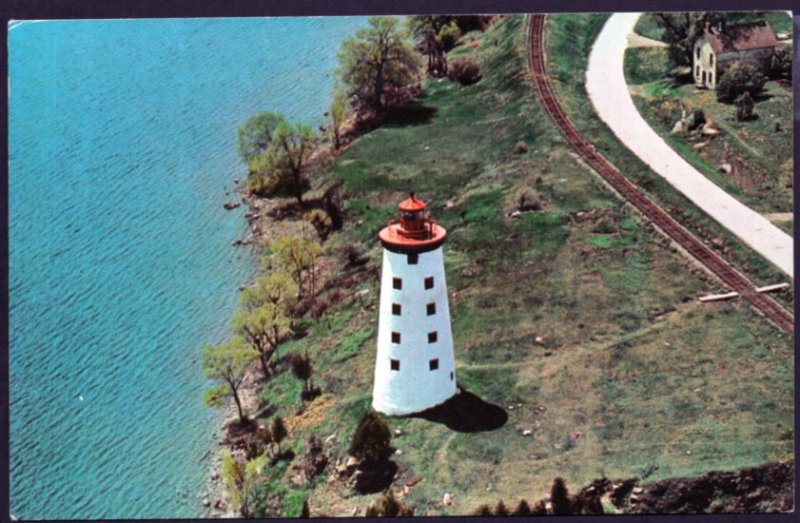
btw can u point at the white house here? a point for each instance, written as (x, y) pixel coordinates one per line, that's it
(414, 365)
(721, 46)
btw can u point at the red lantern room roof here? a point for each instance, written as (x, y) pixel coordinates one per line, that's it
(411, 204)
(414, 231)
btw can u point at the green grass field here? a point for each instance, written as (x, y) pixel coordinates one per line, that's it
(655, 383)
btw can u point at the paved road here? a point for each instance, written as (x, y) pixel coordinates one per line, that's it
(608, 91)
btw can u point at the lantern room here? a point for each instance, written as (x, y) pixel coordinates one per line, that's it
(414, 231)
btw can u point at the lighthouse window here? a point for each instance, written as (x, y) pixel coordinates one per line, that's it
(451, 375)
(431, 309)
(395, 364)
(413, 258)
(397, 283)
(429, 282)
(434, 364)
(395, 337)
(432, 337)
(395, 309)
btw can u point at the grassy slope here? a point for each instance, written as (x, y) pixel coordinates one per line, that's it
(628, 359)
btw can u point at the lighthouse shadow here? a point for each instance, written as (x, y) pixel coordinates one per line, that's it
(466, 412)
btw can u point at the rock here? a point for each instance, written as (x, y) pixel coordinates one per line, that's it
(231, 205)
(717, 242)
(725, 168)
(511, 407)
(527, 432)
(539, 339)
(514, 214)
(677, 128)
(236, 180)
(219, 505)
(519, 148)
(215, 476)
(355, 511)
(398, 452)
(449, 203)
(427, 147)
(206, 503)
(699, 145)
(447, 499)
(398, 432)
(351, 462)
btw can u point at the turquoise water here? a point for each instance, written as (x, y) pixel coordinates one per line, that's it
(122, 147)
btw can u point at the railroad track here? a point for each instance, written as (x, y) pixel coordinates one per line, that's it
(766, 305)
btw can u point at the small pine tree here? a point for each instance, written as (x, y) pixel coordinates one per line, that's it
(483, 510)
(305, 512)
(559, 497)
(371, 440)
(302, 369)
(279, 432)
(500, 509)
(523, 509)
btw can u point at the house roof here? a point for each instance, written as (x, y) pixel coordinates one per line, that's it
(741, 37)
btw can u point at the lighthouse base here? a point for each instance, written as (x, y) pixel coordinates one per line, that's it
(384, 407)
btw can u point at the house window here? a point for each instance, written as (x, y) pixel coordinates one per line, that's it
(432, 337)
(451, 375)
(394, 364)
(413, 258)
(711, 60)
(697, 71)
(395, 309)
(698, 52)
(395, 337)
(433, 364)
(431, 308)
(397, 283)
(429, 282)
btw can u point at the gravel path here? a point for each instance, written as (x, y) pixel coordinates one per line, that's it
(608, 91)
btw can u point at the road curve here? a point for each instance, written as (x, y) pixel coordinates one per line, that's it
(766, 305)
(608, 91)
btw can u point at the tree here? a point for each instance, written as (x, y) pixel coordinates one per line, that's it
(255, 136)
(523, 509)
(276, 151)
(376, 65)
(305, 512)
(302, 369)
(781, 63)
(428, 31)
(483, 510)
(559, 497)
(739, 78)
(371, 440)
(279, 433)
(263, 329)
(226, 364)
(276, 287)
(744, 106)
(297, 256)
(338, 112)
(240, 478)
(500, 509)
(388, 507)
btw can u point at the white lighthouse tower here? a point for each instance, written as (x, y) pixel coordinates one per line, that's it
(415, 367)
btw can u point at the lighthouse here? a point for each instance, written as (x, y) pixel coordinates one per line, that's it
(414, 366)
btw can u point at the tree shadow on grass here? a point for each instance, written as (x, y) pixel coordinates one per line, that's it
(466, 412)
(375, 477)
(411, 113)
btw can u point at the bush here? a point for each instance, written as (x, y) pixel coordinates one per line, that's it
(371, 439)
(465, 71)
(740, 78)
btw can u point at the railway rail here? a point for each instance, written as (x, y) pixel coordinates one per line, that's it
(766, 305)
